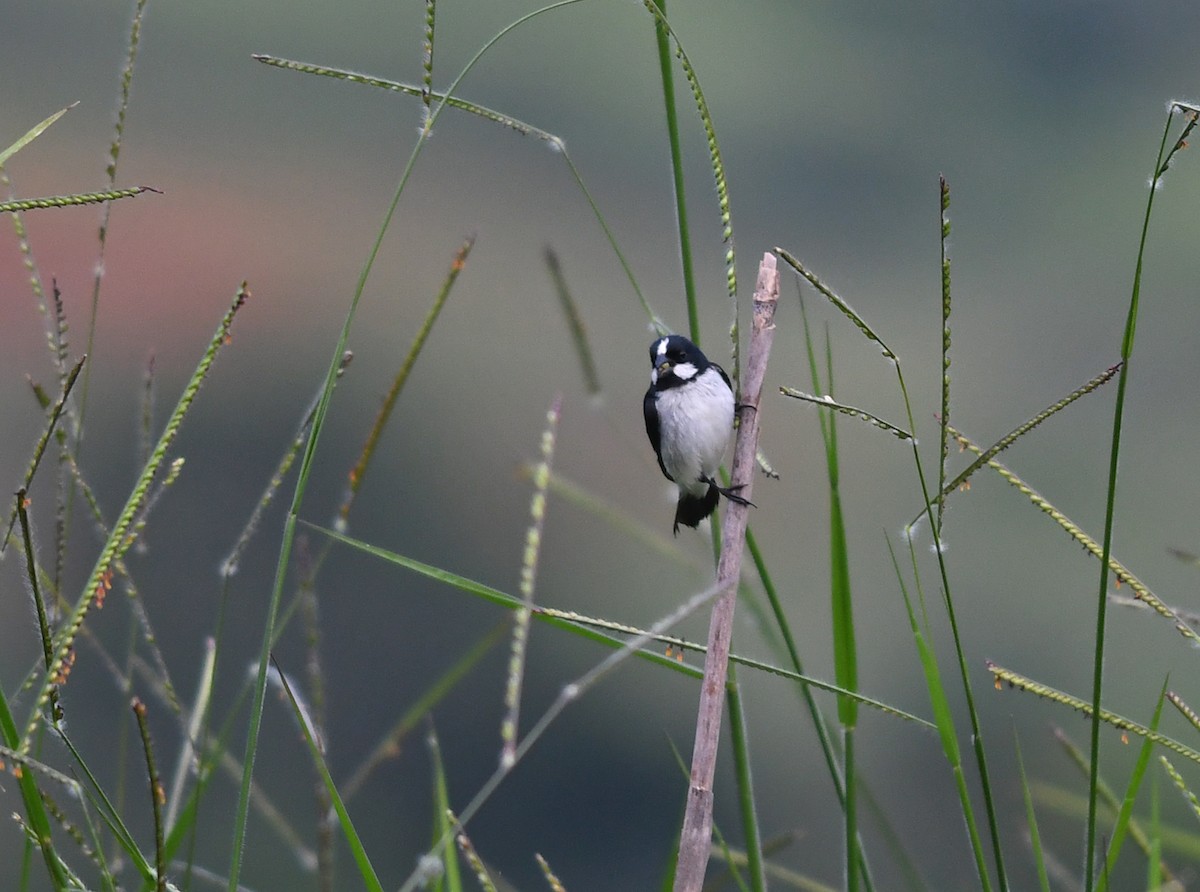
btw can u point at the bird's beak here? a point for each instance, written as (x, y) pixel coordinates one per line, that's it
(663, 367)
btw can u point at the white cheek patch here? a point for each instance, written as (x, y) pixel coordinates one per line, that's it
(685, 371)
(653, 376)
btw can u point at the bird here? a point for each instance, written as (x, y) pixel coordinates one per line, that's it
(689, 418)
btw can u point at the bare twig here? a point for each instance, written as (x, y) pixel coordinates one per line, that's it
(695, 839)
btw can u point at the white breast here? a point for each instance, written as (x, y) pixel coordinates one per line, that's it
(695, 421)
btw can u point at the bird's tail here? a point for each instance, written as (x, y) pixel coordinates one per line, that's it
(693, 509)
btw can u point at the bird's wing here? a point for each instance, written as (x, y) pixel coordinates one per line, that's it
(650, 411)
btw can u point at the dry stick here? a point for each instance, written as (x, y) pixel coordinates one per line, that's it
(696, 837)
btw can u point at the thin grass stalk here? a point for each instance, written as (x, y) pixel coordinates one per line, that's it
(306, 464)
(157, 796)
(39, 449)
(570, 308)
(718, 169)
(740, 742)
(35, 590)
(187, 751)
(696, 836)
(1161, 164)
(666, 70)
(315, 676)
(509, 726)
(944, 418)
(110, 170)
(427, 64)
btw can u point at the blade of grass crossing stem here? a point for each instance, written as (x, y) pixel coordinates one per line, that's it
(942, 714)
(118, 540)
(745, 782)
(666, 69)
(1125, 815)
(1161, 164)
(451, 878)
(365, 870)
(1035, 838)
(283, 563)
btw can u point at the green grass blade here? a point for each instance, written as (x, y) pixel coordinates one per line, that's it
(943, 716)
(1160, 168)
(1125, 814)
(451, 878)
(365, 869)
(740, 741)
(1035, 838)
(33, 133)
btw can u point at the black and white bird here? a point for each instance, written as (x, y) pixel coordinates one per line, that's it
(689, 418)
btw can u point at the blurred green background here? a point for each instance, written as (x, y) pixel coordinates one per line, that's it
(835, 121)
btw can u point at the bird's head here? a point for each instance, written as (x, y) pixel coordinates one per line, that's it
(674, 360)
